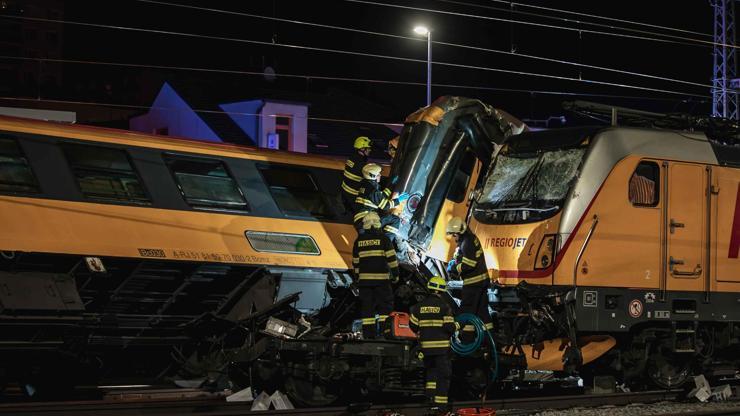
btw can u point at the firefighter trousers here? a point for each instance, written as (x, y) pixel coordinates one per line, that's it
(375, 299)
(438, 369)
(391, 224)
(475, 301)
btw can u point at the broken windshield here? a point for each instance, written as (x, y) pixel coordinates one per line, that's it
(533, 181)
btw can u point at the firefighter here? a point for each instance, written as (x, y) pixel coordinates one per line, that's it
(375, 267)
(371, 199)
(353, 171)
(432, 320)
(393, 147)
(470, 264)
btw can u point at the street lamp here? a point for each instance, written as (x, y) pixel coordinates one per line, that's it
(424, 31)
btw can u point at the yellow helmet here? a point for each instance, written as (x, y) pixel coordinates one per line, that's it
(371, 220)
(456, 226)
(362, 142)
(393, 146)
(371, 171)
(437, 283)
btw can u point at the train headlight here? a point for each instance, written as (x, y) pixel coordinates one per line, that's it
(544, 260)
(545, 252)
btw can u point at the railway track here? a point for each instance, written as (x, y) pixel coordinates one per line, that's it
(213, 405)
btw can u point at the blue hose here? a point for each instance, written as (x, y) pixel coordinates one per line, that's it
(480, 332)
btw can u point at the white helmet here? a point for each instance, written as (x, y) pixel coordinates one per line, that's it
(371, 171)
(456, 226)
(371, 220)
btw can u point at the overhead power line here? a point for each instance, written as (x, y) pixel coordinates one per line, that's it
(595, 16)
(354, 53)
(143, 107)
(347, 79)
(687, 41)
(497, 51)
(578, 22)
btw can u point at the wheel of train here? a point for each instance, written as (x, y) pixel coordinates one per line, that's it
(666, 368)
(311, 392)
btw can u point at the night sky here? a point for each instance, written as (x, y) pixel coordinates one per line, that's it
(467, 22)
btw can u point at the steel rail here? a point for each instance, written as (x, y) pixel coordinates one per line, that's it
(218, 406)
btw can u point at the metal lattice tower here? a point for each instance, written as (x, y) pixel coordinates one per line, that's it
(724, 83)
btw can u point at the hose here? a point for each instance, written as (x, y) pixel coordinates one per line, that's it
(463, 349)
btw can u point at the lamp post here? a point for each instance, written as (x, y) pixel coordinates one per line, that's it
(423, 30)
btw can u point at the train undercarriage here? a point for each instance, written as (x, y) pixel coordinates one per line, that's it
(148, 322)
(658, 352)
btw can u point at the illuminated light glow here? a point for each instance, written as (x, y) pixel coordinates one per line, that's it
(421, 30)
(735, 232)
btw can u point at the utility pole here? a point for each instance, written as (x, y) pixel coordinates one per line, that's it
(724, 81)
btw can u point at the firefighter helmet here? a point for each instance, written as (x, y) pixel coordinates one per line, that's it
(437, 283)
(456, 226)
(393, 146)
(362, 142)
(371, 171)
(371, 220)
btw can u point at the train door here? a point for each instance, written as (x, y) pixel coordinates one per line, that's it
(684, 227)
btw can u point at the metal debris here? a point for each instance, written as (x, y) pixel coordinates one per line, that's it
(244, 395)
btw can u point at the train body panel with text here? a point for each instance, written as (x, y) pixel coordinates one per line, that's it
(629, 231)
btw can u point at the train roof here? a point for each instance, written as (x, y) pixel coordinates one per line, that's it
(131, 138)
(667, 143)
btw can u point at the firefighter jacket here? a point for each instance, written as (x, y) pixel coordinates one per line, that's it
(371, 198)
(469, 261)
(374, 258)
(353, 175)
(432, 320)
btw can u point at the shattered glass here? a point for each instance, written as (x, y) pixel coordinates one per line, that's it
(506, 178)
(535, 178)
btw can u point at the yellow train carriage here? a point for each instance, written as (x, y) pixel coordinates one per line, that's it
(119, 249)
(101, 192)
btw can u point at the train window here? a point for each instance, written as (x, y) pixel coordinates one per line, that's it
(282, 242)
(105, 174)
(643, 185)
(206, 183)
(15, 173)
(462, 177)
(295, 192)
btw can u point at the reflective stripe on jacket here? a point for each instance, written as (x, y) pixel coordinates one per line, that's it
(432, 319)
(353, 174)
(470, 262)
(374, 258)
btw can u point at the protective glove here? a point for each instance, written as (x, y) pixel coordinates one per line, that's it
(451, 265)
(404, 196)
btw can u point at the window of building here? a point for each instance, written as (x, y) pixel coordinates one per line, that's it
(15, 173)
(282, 128)
(206, 183)
(643, 185)
(295, 191)
(105, 174)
